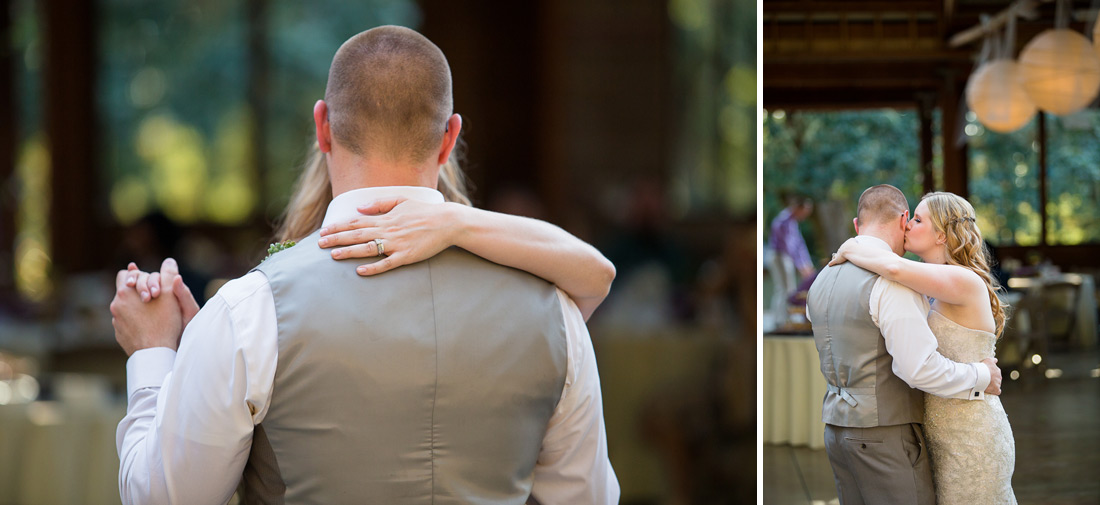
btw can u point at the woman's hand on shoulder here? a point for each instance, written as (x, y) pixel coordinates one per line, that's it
(405, 231)
(841, 255)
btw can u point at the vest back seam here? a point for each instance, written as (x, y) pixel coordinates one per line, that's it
(435, 387)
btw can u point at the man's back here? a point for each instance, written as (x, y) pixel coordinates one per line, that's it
(862, 388)
(431, 383)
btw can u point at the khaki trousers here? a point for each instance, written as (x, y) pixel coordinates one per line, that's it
(884, 465)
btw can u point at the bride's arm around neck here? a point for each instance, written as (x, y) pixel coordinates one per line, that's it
(950, 284)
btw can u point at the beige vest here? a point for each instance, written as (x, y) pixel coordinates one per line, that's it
(862, 390)
(431, 383)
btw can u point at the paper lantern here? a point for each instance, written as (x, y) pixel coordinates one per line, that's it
(1060, 71)
(996, 97)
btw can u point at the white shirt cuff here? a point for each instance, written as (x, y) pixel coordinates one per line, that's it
(147, 368)
(983, 381)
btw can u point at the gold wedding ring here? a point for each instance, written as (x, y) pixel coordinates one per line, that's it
(381, 248)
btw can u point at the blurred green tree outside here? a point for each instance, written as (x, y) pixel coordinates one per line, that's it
(174, 80)
(833, 156)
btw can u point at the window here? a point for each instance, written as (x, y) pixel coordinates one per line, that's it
(715, 73)
(1004, 183)
(1073, 179)
(832, 157)
(172, 101)
(179, 86)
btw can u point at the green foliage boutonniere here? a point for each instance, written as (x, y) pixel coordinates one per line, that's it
(274, 248)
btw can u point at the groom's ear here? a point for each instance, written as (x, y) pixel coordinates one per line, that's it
(324, 131)
(450, 137)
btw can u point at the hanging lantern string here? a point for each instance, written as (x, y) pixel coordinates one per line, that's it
(1061, 14)
(987, 43)
(1008, 45)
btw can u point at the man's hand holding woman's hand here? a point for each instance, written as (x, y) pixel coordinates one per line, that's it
(151, 309)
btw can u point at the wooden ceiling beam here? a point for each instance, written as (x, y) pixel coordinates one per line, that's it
(840, 99)
(802, 6)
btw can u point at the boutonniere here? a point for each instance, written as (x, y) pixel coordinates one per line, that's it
(278, 246)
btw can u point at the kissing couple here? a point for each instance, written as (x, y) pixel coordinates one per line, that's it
(911, 409)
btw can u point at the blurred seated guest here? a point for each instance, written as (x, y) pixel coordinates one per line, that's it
(789, 254)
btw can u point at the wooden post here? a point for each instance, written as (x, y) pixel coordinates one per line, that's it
(924, 109)
(9, 132)
(954, 156)
(69, 77)
(1042, 179)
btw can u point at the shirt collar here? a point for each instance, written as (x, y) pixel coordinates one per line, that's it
(873, 242)
(345, 205)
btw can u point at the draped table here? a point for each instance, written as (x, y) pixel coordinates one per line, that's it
(1084, 335)
(60, 452)
(793, 391)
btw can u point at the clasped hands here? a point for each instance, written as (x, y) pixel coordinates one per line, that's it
(151, 309)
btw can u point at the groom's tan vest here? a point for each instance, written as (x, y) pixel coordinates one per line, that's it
(431, 383)
(863, 391)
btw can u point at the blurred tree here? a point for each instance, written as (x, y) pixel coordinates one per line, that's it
(174, 82)
(1073, 182)
(833, 157)
(1004, 183)
(715, 69)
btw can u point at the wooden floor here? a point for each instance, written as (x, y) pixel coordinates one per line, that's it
(1056, 423)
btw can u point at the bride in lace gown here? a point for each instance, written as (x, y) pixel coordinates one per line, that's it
(970, 442)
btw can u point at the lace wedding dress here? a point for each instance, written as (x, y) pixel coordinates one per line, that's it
(973, 452)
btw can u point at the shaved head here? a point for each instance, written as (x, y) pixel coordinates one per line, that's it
(879, 204)
(389, 95)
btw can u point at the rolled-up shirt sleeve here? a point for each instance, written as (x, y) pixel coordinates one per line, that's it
(902, 316)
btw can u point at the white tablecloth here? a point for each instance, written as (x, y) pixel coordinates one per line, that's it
(793, 391)
(59, 453)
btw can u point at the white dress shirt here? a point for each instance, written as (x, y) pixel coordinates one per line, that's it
(901, 314)
(187, 442)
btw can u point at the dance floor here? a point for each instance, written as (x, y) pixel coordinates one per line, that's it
(1056, 423)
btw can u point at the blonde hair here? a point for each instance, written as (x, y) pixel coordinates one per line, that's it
(313, 192)
(953, 216)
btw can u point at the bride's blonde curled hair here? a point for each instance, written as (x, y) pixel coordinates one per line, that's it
(953, 216)
(313, 192)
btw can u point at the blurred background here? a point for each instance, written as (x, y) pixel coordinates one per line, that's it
(882, 92)
(133, 130)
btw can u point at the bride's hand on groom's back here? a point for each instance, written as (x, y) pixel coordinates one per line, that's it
(409, 231)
